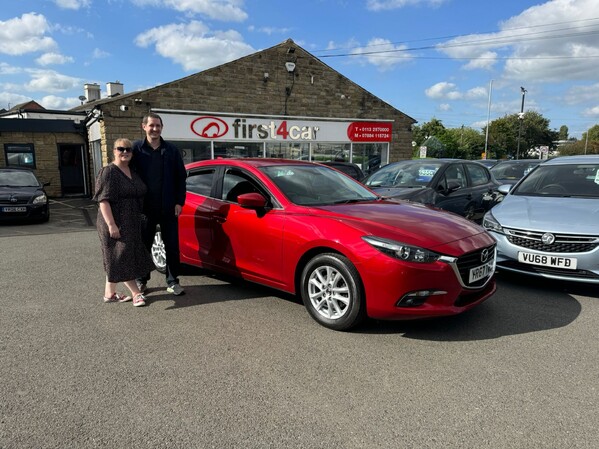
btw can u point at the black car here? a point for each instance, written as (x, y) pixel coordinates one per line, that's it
(22, 196)
(463, 187)
(510, 172)
(348, 168)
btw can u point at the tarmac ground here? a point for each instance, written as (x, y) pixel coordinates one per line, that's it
(66, 215)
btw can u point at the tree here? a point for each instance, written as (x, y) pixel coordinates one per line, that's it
(563, 132)
(505, 133)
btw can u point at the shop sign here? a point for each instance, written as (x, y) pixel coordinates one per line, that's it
(369, 132)
(225, 128)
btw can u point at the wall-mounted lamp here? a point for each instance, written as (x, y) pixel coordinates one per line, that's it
(138, 101)
(265, 79)
(290, 66)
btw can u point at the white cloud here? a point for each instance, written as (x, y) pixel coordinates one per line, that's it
(477, 93)
(194, 46)
(582, 94)
(445, 107)
(443, 90)
(385, 55)
(100, 54)
(269, 30)
(53, 59)
(381, 5)
(553, 41)
(73, 4)
(7, 69)
(23, 35)
(9, 99)
(225, 10)
(51, 81)
(591, 112)
(60, 103)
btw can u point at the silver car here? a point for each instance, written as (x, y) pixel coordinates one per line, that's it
(548, 223)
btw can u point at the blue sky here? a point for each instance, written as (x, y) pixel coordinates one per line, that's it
(428, 58)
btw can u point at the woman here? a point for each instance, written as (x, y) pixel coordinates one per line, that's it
(120, 193)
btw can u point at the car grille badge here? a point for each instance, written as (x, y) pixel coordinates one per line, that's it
(548, 238)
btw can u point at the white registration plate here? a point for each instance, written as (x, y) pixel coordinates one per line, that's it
(481, 271)
(14, 209)
(568, 263)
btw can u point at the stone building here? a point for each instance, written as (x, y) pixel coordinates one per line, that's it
(279, 102)
(53, 144)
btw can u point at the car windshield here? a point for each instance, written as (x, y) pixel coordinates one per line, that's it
(408, 174)
(513, 170)
(309, 185)
(580, 180)
(18, 179)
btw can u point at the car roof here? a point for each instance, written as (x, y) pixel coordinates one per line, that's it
(254, 162)
(579, 159)
(518, 161)
(16, 169)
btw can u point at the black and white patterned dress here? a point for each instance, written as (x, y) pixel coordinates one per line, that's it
(125, 258)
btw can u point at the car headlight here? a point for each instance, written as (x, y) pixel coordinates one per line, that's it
(42, 199)
(491, 224)
(401, 251)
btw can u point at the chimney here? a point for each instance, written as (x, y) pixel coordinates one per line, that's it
(92, 91)
(114, 88)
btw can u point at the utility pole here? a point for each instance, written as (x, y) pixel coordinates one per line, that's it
(521, 119)
(488, 118)
(586, 142)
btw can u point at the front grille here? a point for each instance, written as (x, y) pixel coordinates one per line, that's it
(563, 243)
(473, 260)
(537, 269)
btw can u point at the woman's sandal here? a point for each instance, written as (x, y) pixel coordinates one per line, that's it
(117, 297)
(139, 300)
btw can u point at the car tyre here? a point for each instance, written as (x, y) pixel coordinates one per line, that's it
(158, 252)
(331, 290)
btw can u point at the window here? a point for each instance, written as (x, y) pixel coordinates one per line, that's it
(455, 174)
(200, 182)
(18, 155)
(235, 184)
(478, 175)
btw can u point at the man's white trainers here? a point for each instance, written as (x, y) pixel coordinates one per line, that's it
(175, 289)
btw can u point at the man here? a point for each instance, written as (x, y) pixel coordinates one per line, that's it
(161, 167)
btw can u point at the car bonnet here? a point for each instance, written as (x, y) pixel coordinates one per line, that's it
(561, 215)
(411, 223)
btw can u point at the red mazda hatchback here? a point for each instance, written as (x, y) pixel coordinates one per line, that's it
(310, 230)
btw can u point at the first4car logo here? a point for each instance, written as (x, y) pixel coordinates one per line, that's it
(209, 127)
(213, 127)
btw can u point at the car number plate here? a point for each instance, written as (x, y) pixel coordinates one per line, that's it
(481, 271)
(14, 209)
(568, 263)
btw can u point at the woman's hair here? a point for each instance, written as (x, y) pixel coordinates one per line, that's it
(122, 142)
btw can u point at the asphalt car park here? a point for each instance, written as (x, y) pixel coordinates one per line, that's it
(234, 364)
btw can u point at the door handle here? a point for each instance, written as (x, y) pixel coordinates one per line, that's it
(219, 218)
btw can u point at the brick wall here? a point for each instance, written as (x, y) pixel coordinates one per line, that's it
(312, 90)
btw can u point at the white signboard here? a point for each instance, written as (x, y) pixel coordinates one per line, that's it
(243, 128)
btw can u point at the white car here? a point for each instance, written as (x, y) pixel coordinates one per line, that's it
(548, 224)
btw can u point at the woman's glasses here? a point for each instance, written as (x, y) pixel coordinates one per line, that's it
(124, 149)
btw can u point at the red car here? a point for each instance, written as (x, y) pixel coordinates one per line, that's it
(307, 229)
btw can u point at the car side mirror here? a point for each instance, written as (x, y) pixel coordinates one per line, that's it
(504, 188)
(251, 200)
(452, 186)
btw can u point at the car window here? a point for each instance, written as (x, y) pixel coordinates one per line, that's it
(405, 174)
(455, 174)
(10, 178)
(200, 182)
(478, 175)
(237, 182)
(562, 180)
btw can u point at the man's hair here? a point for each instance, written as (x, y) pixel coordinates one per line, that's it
(150, 115)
